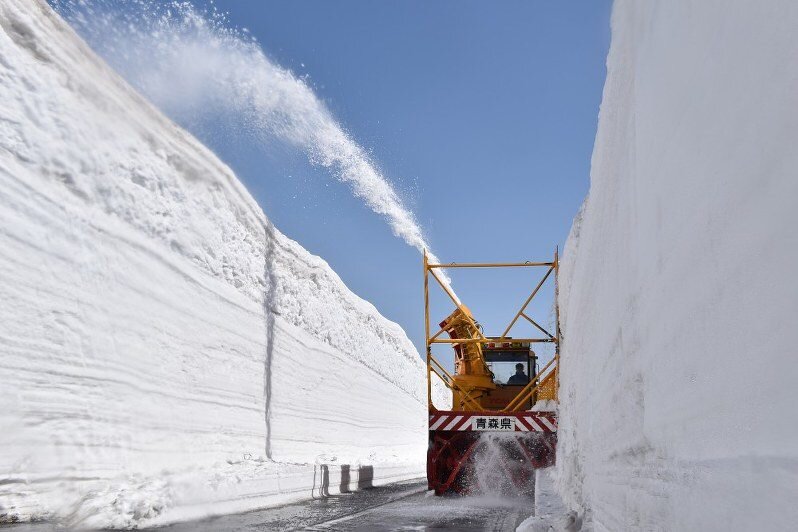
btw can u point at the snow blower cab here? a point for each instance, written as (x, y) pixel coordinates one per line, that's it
(511, 364)
(502, 424)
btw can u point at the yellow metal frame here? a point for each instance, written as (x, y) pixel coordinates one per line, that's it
(543, 380)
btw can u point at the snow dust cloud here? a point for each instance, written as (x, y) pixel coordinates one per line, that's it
(192, 62)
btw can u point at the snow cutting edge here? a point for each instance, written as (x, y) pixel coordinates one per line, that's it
(492, 439)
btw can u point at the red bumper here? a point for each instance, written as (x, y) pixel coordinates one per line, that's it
(488, 453)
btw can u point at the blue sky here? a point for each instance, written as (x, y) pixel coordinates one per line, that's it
(483, 114)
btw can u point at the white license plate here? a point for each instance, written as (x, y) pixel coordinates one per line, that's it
(493, 423)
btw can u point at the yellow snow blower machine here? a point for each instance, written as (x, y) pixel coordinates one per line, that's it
(502, 424)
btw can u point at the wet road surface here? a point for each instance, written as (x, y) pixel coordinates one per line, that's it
(398, 507)
(402, 506)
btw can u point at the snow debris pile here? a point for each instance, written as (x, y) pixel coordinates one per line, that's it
(678, 290)
(166, 352)
(550, 513)
(544, 405)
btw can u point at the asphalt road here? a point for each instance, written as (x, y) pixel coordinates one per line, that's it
(402, 506)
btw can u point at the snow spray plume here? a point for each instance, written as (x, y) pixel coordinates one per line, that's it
(197, 68)
(495, 458)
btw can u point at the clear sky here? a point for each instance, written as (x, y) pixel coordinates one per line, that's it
(482, 113)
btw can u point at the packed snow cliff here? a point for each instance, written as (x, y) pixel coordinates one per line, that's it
(165, 351)
(678, 294)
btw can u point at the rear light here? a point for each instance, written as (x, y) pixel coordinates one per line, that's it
(506, 344)
(491, 345)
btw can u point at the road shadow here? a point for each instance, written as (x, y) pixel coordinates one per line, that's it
(346, 484)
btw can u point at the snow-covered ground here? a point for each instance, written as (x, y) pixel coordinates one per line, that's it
(165, 351)
(679, 298)
(550, 513)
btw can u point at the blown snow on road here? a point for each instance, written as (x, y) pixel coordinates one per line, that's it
(678, 295)
(166, 352)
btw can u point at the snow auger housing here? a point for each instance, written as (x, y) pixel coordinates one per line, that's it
(497, 432)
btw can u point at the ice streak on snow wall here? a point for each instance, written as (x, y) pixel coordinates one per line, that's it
(678, 293)
(163, 346)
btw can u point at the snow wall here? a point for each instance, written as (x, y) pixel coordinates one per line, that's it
(678, 291)
(166, 352)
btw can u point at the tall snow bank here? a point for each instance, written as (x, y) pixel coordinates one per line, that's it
(166, 352)
(678, 291)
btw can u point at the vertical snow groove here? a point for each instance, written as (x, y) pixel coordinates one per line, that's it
(269, 309)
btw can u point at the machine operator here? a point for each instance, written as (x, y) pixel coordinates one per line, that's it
(520, 377)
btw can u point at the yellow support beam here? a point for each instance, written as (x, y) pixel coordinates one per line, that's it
(541, 329)
(426, 326)
(489, 340)
(528, 390)
(557, 320)
(490, 264)
(453, 384)
(523, 307)
(541, 380)
(456, 304)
